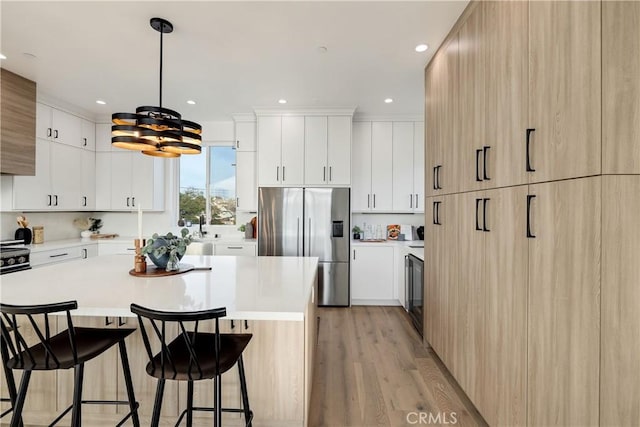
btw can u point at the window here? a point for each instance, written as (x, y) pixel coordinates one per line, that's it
(208, 186)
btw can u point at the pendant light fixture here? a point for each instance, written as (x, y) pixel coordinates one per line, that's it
(156, 131)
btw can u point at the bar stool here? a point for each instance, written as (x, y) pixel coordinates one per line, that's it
(193, 356)
(8, 375)
(67, 349)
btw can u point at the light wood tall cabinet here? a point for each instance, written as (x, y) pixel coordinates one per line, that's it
(620, 87)
(620, 344)
(564, 89)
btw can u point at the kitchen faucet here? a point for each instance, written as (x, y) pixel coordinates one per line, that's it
(202, 233)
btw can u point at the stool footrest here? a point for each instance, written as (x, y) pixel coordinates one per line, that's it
(97, 402)
(207, 409)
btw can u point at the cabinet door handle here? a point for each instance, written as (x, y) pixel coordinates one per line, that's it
(530, 235)
(283, 178)
(435, 207)
(233, 324)
(55, 134)
(477, 215)
(48, 199)
(374, 200)
(478, 178)
(528, 144)
(277, 173)
(416, 200)
(84, 142)
(234, 247)
(85, 255)
(438, 213)
(354, 254)
(56, 200)
(133, 202)
(128, 201)
(237, 202)
(324, 174)
(49, 132)
(237, 144)
(330, 177)
(84, 200)
(410, 201)
(368, 200)
(246, 324)
(438, 169)
(121, 322)
(485, 154)
(58, 255)
(435, 179)
(107, 322)
(484, 215)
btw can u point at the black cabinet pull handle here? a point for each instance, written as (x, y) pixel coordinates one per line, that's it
(84, 144)
(55, 134)
(277, 173)
(485, 152)
(58, 255)
(49, 132)
(410, 201)
(478, 178)
(233, 324)
(246, 324)
(374, 200)
(107, 322)
(477, 213)
(49, 199)
(439, 169)
(84, 200)
(438, 213)
(128, 201)
(324, 173)
(528, 165)
(484, 215)
(283, 179)
(416, 200)
(435, 220)
(529, 234)
(121, 322)
(368, 200)
(237, 144)
(133, 201)
(435, 179)
(56, 200)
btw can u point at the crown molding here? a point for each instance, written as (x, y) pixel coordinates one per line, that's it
(388, 118)
(305, 111)
(51, 101)
(244, 117)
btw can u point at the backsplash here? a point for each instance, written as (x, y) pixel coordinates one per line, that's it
(386, 219)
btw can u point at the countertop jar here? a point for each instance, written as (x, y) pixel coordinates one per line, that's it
(38, 234)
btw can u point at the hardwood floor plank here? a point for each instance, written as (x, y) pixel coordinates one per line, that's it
(373, 370)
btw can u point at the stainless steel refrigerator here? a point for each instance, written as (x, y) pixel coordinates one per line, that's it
(309, 222)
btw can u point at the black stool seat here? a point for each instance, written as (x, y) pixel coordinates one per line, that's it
(90, 343)
(65, 350)
(203, 346)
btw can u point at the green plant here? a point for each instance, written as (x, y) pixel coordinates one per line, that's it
(96, 224)
(173, 245)
(356, 229)
(242, 228)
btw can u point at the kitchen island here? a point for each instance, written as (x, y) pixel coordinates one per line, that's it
(271, 297)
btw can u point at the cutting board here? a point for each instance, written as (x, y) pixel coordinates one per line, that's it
(103, 236)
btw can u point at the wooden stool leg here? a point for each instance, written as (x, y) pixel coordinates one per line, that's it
(133, 405)
(245, 395)
(76, 413)
(16, 418)
(155, 420)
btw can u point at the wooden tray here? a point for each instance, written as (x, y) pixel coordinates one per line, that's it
(103, 236)
(153, 271)
(373, 240)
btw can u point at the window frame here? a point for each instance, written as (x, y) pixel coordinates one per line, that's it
(205, 152)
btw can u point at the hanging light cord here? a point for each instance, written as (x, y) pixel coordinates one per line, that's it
(161, 33)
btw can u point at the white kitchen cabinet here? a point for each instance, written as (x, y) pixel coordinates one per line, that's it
(103, 137)
(88, 136)
(239, 249)
(56, 125)
(361, 167)
(327, 150)
(57, 183)
(418, 167)
(372, 275)
(88, 180)
(280, 150)
(246, 186)
(117, 248)
(403, 193)
(128, 179)
(245, 136)
(88, 251)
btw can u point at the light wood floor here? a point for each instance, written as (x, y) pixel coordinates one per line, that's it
(372, 370)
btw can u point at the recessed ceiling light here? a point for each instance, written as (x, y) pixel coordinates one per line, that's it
(422, 48)
(191, 102)
(282, 101)
(2, 56)
(100, 101)
(388, 101)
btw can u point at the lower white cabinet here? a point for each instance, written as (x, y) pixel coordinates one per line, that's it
(112, 248)
(235, 249)
(372, 275)
(62, 254)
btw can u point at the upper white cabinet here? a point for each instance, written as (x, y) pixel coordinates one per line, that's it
(280, 150)
(310, 148)
(103, 137)
(88, 135)
(56, 125)
(327, 143)
(408, 167)
(246, 136)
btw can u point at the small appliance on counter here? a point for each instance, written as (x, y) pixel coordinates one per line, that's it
(420, 232)
(14, 256)
(408, 232)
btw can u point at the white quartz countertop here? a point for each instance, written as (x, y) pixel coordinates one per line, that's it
(404, 245)
(70, 243)
(252, 288)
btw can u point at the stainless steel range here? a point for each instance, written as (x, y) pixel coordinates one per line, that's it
(14, 256)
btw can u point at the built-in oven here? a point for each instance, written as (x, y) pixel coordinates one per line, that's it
(414, 281)
(14, 256)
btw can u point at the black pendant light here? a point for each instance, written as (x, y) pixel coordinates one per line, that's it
(156, 131)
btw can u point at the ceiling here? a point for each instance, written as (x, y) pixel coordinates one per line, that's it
(227, 56)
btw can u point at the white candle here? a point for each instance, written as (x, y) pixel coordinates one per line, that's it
(140, 222)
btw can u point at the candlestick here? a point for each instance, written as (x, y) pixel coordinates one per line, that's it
(139, 222)
(140, 261)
